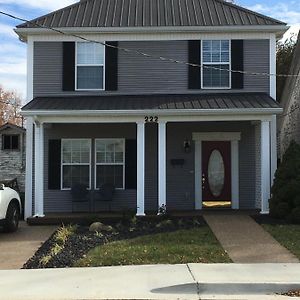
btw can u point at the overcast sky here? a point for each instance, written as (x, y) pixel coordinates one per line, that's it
(13, 52)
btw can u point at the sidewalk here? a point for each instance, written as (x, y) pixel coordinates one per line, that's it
(17, 247)
(192, 281)
(246, 241)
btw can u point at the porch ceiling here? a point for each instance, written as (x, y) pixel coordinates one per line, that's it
(167, 102)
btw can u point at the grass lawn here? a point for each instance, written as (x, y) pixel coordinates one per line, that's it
(287, 235)
(197, 245)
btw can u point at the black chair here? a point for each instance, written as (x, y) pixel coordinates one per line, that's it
(105, 194)
(79, 193)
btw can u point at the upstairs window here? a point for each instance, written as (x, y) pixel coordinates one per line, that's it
(216, 56)
(89, 66)
(10, 142)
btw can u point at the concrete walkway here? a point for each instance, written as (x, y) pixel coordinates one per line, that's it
(16, 248)
(192, 281)
(246, 241)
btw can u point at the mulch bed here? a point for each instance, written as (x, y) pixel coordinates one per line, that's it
(292, 294)
(79, 244)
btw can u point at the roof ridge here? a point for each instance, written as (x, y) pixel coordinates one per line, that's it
(249, 11)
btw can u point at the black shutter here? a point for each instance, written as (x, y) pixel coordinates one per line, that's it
(194, 49)
(111, 67)
(68, 66)
(130, 164)
(54, 164)
(237, 63)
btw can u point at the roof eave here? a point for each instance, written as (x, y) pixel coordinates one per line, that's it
(278, 29)
(161, 112)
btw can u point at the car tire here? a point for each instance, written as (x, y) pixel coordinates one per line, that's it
(12, 217)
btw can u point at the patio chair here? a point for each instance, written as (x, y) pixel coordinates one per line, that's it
(105, 194)
(79, 193)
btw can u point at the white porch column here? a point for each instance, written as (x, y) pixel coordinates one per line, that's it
(39, 169)
(265, 166)
(140, 169)
(162, 185)
(28, 174)
(235, 197)
(273, 147)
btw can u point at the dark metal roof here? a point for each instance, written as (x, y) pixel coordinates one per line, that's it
(147, 13)
(153, 102)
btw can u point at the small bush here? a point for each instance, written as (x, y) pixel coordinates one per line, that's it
(285, 200)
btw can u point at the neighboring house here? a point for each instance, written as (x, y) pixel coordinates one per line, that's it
(12, 154)
(164, 133)
(289, 122)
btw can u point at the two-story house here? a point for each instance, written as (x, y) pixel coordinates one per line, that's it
(171, 101)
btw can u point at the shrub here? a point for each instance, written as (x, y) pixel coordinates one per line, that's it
(294, 217)
(285, 200)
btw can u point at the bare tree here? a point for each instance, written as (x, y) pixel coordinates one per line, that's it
(10, 107)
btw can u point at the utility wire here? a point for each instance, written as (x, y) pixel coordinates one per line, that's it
(203, 66)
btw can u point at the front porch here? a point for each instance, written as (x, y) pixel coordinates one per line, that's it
(164, 162)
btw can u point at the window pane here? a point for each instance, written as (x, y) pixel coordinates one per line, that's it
(67, 145)
(216, 57)
(75, 175)
(67, 157)
(90, 77)
(14, 142)
(207, 46)
(216, 78)
(216, 45)
(110, 157)
(206, 57)
(100, 157)
(225, 45)
(225, 57)
(112, 174)
(90, 53)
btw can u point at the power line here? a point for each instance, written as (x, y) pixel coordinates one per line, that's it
(203, 66)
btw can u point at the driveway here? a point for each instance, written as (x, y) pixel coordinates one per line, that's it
(16, 248)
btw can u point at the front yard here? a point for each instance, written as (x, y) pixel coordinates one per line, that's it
(196, 245)
(288, 235)
(131, 242)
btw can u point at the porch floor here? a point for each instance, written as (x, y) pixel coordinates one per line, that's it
(87, 218)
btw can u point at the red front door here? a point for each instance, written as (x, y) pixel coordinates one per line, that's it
(216, 171)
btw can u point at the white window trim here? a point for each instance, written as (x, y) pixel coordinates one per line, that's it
(89, 65)
(74, 164)
(216, 63)
(109, 164)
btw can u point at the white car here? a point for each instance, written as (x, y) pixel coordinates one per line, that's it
(10, 208)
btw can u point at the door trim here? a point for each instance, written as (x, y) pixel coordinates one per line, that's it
(234, 138)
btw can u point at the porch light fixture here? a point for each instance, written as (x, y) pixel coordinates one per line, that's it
(187, 146)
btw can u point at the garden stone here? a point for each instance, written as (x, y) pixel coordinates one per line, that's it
(98, 227)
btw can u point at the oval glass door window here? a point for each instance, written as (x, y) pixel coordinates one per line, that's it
(216, 173)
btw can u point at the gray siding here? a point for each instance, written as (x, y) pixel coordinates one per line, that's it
(139, 75)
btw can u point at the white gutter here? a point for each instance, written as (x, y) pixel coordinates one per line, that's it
(280, 29)
(158, 112)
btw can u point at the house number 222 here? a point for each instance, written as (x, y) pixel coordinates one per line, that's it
(151, 119)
